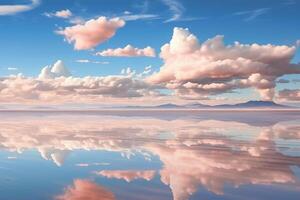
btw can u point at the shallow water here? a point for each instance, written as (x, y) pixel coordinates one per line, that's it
(139, 155)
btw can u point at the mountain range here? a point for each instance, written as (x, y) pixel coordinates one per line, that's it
(246, 105)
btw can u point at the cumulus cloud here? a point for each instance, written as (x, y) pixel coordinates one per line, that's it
(128, 175)
(194, 70)
(289, 95)
(14, 9)
(128, 51)
(57, 70)
(92, 32)
(85, 190)
(61, 14)
(56, 85)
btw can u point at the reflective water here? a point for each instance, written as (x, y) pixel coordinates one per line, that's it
(149, 155)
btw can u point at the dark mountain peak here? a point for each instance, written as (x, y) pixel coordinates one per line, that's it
(253, 104)
(168, 105)
(262, 104)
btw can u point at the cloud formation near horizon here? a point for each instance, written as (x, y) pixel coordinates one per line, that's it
(289, 95)
(56, 84)
(14, 9)
(128, 51)
(191, 71)
(92, 33)
(196, 70)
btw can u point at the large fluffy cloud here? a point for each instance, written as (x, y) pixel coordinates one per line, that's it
(55, 84)
(14, 9)
(128, 51)
(92, 32)
(195, 69)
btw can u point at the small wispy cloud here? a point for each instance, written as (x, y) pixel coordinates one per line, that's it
(94, 62)
(252, 14)
(60, 14)
(91, 164)
(12, 69)
(176, 8)
(133, 17)
(11, 157)
(14, 9)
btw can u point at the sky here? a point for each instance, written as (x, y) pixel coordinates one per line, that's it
(149, 52)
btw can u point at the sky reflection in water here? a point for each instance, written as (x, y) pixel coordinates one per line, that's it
(92, 156)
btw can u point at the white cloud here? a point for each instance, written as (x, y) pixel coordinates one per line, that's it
(195, 70)
(60, 14)
(176, 8)
(128, 51)
(126, 12)
(252, 14)
(56, 85)
(91, 164)
(14, 9)
(90, 61)
(128, 175)
(133, 17)
(12, 69)
(91, 33)
(57, 70)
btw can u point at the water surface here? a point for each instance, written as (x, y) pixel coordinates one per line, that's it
(146, 155)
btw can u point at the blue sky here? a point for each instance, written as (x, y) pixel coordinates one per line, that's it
(29, 42)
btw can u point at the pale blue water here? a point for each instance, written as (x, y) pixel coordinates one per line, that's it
(143, 155)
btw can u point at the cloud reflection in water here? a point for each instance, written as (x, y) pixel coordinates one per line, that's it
(193, 153)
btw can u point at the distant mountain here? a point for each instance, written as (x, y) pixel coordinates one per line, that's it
(197, 105)
(246, 105)
(253, 104)
(169, 105)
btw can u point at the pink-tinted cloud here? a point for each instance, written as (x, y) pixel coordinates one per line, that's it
(128, 51)
(61, 14)
(128, 175)
(289, 95)
(85, 190)
(195, 69)
(55, 84)
(92, 32)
